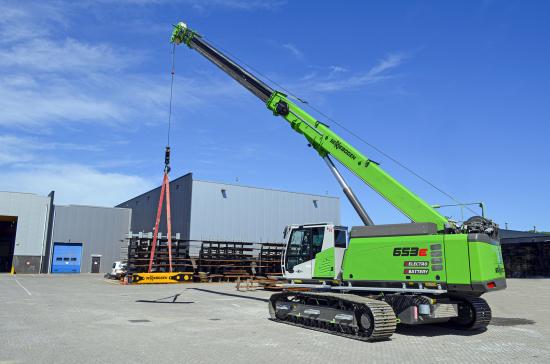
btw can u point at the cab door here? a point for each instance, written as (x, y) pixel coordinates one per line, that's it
(304, 243)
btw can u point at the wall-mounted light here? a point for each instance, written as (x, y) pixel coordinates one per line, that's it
(315, 203)
(224, 193)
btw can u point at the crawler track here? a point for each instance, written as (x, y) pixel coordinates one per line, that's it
(372, 320)
(474, 313)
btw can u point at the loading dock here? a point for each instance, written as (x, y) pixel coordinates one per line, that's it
(8, 228)
(66, 257)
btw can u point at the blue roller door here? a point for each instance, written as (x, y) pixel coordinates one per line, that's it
(66, 258)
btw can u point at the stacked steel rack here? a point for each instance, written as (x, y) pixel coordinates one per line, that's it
(139, 253)
(230, 257)
(270, 258)
(217, 259)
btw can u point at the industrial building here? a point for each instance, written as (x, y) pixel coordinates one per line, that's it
(89, 237)
(24, 226)
(211, 211)
(37, 236)
(525, 254)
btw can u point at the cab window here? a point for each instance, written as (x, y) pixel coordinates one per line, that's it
(318, 234)
(339, 238)
(303, 245)
(298, 248)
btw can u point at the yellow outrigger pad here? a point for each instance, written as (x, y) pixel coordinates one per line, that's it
(158, 278)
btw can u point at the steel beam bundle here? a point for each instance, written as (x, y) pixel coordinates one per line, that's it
(139, 253)
(220, 259)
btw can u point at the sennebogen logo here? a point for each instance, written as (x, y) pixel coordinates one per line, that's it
(338, 145)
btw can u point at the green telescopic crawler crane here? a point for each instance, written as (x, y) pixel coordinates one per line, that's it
(427, 271)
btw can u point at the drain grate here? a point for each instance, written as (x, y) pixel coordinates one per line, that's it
(136, 321)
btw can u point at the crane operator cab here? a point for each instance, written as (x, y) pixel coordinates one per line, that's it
(314, 251)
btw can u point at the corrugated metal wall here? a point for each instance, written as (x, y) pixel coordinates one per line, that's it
(144, 208)
(248, 214)
(251, 214)
(101, 230)
(32, 212)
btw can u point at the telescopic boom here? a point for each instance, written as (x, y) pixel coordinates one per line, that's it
(325, 141)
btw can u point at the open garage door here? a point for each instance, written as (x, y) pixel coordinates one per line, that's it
(8, 229)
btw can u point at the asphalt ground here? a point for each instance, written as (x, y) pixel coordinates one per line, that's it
(87, 319)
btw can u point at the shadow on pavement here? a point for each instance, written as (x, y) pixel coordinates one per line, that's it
(434, 330)
(231, 294)
(443, 329)
(182, 302)
(510, 321)
(173, 298)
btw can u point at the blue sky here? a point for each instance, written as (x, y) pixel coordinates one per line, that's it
(457, 91)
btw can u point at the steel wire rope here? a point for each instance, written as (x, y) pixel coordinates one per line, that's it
(349, 131)
(172, 71)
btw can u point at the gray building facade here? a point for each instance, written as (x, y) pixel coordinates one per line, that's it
(100, 230)
(32, 226)
(211, 211)
(144, 208)
(37, 236)
(24, 220)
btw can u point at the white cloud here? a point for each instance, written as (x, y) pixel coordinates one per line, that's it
(387, 63)
(27, 167)
(334, 80)
(51, 81)
(40, 102)
(338, 69)
(204, 5)
(15, 150)
(20, 21)
(75, 184)
(247, 5)
(68, 55)
(47, 80)
(293, 50)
